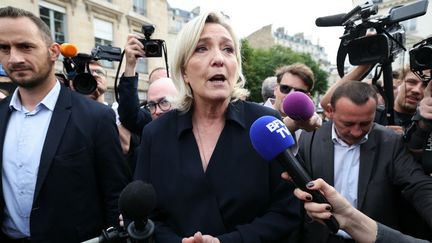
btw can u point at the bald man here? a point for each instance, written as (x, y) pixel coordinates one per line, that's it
(159, 95)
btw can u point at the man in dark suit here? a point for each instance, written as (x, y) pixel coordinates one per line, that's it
(366, 162)
(62, 165)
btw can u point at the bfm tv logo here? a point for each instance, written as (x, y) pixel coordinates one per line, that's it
(278, 127)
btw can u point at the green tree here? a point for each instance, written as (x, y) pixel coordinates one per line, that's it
(259, 64)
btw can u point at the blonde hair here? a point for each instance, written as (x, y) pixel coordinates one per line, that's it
(186, 42)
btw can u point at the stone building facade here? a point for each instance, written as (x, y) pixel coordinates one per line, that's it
(267, 36)
(86, 23)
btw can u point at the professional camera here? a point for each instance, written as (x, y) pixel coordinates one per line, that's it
(380, 48)
(152, 47)
(78, 70)
(421, 59)
(389, 40)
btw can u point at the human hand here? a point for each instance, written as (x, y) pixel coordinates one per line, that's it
(308, 125)
(396, 129)
(133, 49)
(425, 108)
(338, 206)
(199, 238)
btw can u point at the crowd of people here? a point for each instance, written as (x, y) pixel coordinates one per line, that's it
(66, 157)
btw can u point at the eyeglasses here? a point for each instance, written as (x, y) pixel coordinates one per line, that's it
(163, 104)
(98, 72)
(285, 89)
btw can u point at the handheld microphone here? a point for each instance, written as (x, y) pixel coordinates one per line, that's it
(272, 140)
(136, 201)
(68, 50)
(298, 106)
(329, 21)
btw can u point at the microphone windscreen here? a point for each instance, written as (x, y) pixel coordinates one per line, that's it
(137, 200)
(68, 50)
(329, 21)
(270, 137)
(298, 106)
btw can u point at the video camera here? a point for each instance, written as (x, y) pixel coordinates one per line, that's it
(389, 40)
(421, 59)
(78, 71)
(381, 48)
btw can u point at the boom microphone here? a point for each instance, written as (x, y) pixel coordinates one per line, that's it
(298, 106)
(272, 140)
(68, 50)
(329, 21)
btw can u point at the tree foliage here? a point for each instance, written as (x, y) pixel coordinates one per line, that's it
(259, 64)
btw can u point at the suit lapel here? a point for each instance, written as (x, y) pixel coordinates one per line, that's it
(324, 162)
(367, 161)
(4, 118)
(56, 128)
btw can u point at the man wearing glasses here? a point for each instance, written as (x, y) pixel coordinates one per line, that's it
(159, 94)
(100, 75)
(294, 77)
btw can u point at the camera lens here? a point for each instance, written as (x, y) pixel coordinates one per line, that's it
(152, 48)
(84, 83)
(424, 56)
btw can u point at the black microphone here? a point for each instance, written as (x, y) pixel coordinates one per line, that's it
(329, 21)
(136, 201)
(272, 140)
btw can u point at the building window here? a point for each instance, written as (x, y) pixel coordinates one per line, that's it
(142, 65)
(55, 17)
(140, 7)
(103, 32)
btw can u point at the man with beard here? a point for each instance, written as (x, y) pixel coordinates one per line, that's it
(410, 93)
(62, 164)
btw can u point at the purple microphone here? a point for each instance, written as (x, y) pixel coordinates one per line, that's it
(298, 106)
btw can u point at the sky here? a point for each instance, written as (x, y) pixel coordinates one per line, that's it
(295, 15)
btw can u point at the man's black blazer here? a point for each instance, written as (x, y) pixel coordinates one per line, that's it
(387, 172)
(81, 172)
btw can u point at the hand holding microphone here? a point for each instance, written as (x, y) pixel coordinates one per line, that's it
(272, 140)
(300, 111)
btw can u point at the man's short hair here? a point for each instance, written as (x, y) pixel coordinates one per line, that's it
(267, 88)
(300, 70)
(358, 92)
(11, 12)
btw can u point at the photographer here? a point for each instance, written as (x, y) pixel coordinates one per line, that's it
(132, 116)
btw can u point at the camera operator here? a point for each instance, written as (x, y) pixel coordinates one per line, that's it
(100, 75)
